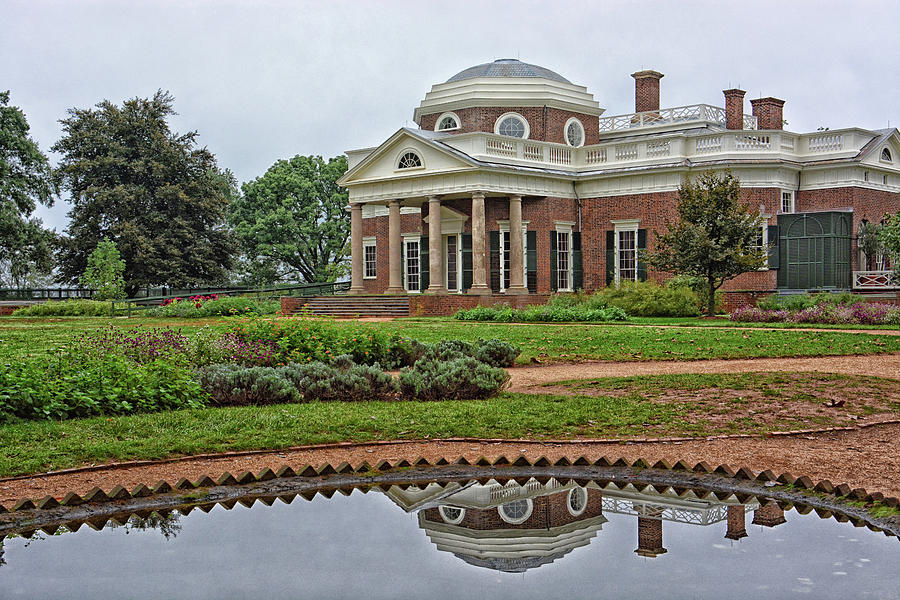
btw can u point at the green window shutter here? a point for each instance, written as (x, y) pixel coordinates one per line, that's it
(610, 257)
(531, 261)
(423, 264)
(554, 276)
(642, 255)
(577, 269)
(773, 246)
(466, 261)
(494, 239)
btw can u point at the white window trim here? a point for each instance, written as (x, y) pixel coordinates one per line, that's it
(765, 237)
(411, 237)
(400, 154)
(569, 501)
(518, 116)
(503, 225)
(445, 115)
(565, 227)
(566, 131)
(457, 520)
(619, 226)
(793, 202)
(522, 519)
(890, 153)
(369, 242)
(459, 269)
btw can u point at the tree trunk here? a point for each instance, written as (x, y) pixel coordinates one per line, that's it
(711, 303)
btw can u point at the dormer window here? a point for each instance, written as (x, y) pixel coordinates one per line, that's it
(447, 122)
(886, 155)
(574, 133)
(512, 125)
(409, 160)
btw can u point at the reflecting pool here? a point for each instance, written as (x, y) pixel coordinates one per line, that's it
(460, 539)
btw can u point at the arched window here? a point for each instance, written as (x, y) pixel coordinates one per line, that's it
(409, 160)
(452, 514)
(574, 133)
(886, 155)
(516, 511)
(447, 122)
(513, 125)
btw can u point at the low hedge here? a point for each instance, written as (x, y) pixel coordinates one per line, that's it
(66, 308)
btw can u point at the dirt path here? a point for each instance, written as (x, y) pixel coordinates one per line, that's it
(525, 379)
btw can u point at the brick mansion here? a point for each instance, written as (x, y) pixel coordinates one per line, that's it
(516, 185)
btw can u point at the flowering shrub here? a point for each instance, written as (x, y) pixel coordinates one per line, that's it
(214, 306)
(859, 313)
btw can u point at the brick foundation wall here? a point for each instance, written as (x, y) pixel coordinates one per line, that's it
(427, 305)
(545, 124)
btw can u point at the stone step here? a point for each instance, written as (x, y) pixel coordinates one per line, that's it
(359, 306)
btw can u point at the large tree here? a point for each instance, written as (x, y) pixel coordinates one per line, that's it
(716, 237)
(152, 191)
(25, 180)
(292, 223)
(889, 236)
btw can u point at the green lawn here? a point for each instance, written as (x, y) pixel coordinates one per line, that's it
(24, 337)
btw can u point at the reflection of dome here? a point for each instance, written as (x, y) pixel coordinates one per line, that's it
(509, 565)
(507, 67)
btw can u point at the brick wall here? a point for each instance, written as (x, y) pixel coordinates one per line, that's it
(546, 124)
(737, 528)
(547, 511)
(428, 305)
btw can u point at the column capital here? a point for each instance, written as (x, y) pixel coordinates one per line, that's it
(394, 202)
(515, 198)
(434, 199)
(478, 194)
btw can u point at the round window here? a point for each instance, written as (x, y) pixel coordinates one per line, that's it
(446, 122)
(409, 160)
(516, 511)
(574, 133)
(452, 514)
(512, 125)
(577, 500)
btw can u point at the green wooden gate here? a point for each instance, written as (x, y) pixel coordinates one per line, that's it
(814, 250)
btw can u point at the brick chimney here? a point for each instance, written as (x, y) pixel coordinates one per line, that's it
(769, 515)
(646, 90)
(736, 524)
(769, 113)
(734, 108)
(650, 542)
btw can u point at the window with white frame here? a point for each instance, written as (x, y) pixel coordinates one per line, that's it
(563, 275)
(516, 511)
(447, 122)
(506, 253)
(513, 125)
(409, 160)
(787, 202)
(626, 250)
(370, 259)
(574, 133)
(577, 501)
(412, 276)
(453, 263)
(452, 514)
(762, 239)
(886, 155)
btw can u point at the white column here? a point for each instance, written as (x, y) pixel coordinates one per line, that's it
(435, 248)
(516, 248)
(356, 250)
(479, 254)
(395, 253)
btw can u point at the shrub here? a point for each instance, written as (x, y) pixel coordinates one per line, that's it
(796, 302)
(215, 306)
(559, 312)
(80, 384)
(495, 353)
(459, 378)
(700, 287)
(66, 308)
(234, 385)
(648, 299)
(859, 313)
(346, 381)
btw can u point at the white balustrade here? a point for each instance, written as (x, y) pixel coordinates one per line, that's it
(752, 142)
(875, 280)
(830, 142)
(560, 155)
(679, 114)
(657, 149)
(712, 143)
(626, 151)
(498, 147)
(593, 156)
(787, 143)
(533, 152)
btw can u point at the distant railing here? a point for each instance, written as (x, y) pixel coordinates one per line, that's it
(664, 116)
(875, 280)
(59, 293)
(826, 143)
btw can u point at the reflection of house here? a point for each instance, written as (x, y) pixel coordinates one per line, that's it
(513, 528)
(512, 147)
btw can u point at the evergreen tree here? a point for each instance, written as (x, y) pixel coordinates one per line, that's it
(156, 194)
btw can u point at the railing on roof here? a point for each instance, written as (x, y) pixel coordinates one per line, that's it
(665, 116)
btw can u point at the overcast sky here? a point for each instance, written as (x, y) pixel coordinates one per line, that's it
(266, 80)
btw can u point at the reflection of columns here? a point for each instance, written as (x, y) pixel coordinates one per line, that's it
(356, 249)
(435, 247)
(736, 524)
(769, 515)
(516, 251)
(650, 542)
(479, 255)
(395, 254)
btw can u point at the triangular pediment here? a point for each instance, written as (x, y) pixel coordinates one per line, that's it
(383, 163)
(875, 154)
